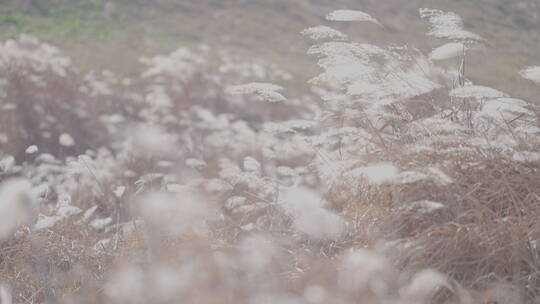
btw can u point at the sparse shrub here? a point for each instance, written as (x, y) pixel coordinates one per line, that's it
(41, 101)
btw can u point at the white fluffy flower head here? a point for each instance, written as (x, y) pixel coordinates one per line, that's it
(263, 91)
(350, 15)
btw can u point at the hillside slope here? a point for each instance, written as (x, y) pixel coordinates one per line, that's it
(114, 34)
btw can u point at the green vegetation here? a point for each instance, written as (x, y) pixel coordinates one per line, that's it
(60, 20)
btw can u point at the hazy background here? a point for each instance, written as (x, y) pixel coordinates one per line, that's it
(114, 34)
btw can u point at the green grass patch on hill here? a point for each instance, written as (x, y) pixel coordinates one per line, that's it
(52, 19)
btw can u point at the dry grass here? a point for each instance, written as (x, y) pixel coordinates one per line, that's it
(473, 217)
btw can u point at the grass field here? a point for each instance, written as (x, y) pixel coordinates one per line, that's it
(114, 36)
(169, 151)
